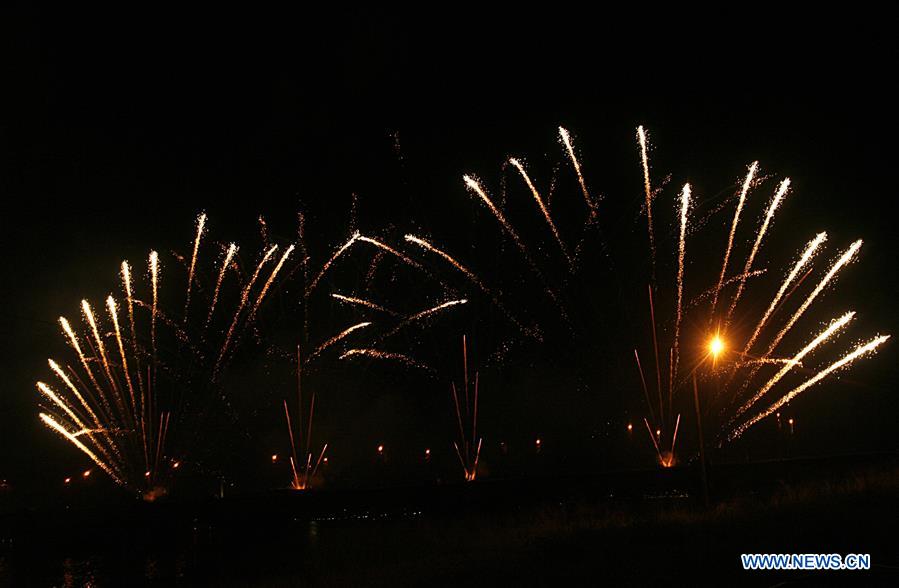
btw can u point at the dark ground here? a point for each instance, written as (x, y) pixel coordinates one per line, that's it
(627, 528)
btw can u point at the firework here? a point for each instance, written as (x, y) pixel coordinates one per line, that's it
(303, 466)
(385, 355)
(468, 445)
(733, 230)
(226, 263)
(861, 350)
(549, 221)
(566, 140)
(644, 159)
(201, 223)
(741, 366)
(772, 208)
(366, 303)
(111, 409)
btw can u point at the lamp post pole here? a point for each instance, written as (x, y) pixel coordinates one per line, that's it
(702, 462)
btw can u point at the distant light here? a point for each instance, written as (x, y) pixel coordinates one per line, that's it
(428, 452)
(147, 474)
(630, 427)
(380, 449)
(86, 473)
(274, 457)
(68, 480)
(790, 421)
(325, 460)
(658, 432)
(176, 465)
(538, 442)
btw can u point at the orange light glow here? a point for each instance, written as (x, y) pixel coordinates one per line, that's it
(68, 480)
(274, 457)
(716, 346)
(667, 459)
(86, 473)
(380, 449)
(630, 427)
(176, 465)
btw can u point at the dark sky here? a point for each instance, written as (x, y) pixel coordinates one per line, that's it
(118, 127)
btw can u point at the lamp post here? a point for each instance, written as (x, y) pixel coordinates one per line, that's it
(716, 347)
(702, 466)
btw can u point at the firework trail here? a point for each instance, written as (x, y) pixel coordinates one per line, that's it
(365, 303)
(73, 439)
(747, 183)
(731, 280)
(336, 338)
(328, 264)
(229, 255)
(843, 260)
(406, 259)
(81, 400)
(778, 197)
(566, 140)
(770, 361)
(468, 450)
(201, 223)
(859, 351)
(834, 326)
(73, 340)
(385, 355)
(644, 158)
(475, 187)
(268, 283)
(681, 253)
(129, 297)
(420, 316)
(244, 298)
(542, 206)
(810, 249)
(113, 312)
(89, 315)
(530, 331)
(302, 481)
(154, 279)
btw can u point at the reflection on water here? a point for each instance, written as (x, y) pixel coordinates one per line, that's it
(201, 555)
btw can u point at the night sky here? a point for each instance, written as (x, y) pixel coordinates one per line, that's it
(118, 128)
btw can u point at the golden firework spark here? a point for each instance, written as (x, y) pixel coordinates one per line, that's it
(360, 302)
(644, 158)
(201, 223)
(834, 326)
(226, 263)
(73, 439)
(810, 249)
(772, 208)
(847, 359)
(566, 140)
(549, 221)
(681, 253)
(337, 338)
(747, 183)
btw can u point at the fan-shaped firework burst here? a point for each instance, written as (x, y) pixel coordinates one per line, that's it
(119, 400)
(730, 366)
